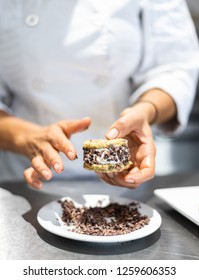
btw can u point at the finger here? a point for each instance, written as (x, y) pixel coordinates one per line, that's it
(110, 175)
(116, 180)
(32, 178)
(51, 157)
(105, 178)
(41, 167)
(74, 126)
(144, 173)
(59, 138)
(122, 127)
(140, 177)
(119, 180)
(144, 164)
(128, 124)
(62, 144)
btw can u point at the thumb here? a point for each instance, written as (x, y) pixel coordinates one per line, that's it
(121, 128)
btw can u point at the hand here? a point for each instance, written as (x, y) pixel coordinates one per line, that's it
(43, 144)
(134, 126)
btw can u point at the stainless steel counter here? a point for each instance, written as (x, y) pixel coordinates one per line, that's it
(22, 238)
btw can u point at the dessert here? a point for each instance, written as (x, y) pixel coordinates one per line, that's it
(106, 155)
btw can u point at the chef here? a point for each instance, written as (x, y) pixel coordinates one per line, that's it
(88, 69)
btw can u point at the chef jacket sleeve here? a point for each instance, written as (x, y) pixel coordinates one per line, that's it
(6, 98)
(170, 59)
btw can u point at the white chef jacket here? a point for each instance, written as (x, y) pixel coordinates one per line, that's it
(70, 59)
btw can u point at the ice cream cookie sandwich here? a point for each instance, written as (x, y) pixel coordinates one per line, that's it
(106, 155)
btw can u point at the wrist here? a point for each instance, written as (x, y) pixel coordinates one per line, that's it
(164, 105)
(148, 109)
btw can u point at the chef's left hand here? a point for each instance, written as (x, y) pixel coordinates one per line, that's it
(134, 126)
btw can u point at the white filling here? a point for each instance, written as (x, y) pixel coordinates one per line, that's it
(102, 160)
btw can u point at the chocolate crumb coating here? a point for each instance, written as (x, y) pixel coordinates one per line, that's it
(104, 155)
(114, 219)
(114, 154)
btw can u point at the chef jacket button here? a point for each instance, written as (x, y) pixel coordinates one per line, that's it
(38, 85)
(102, 80)
(32, 20)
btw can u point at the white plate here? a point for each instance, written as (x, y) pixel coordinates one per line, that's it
(49, 217)
(183, 199)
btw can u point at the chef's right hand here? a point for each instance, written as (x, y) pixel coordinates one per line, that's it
(43, 145)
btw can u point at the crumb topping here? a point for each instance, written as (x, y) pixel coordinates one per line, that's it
(114, 219)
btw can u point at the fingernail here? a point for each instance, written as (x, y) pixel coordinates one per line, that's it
(130, 180)
(71, 155)
(113, 133)
(99, 174)
(47, 175)
(110, 175)
(36, 185)
(58, 167)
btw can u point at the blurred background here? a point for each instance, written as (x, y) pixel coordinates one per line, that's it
(181, 154)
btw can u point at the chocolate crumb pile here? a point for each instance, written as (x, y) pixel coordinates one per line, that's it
(114, 219)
